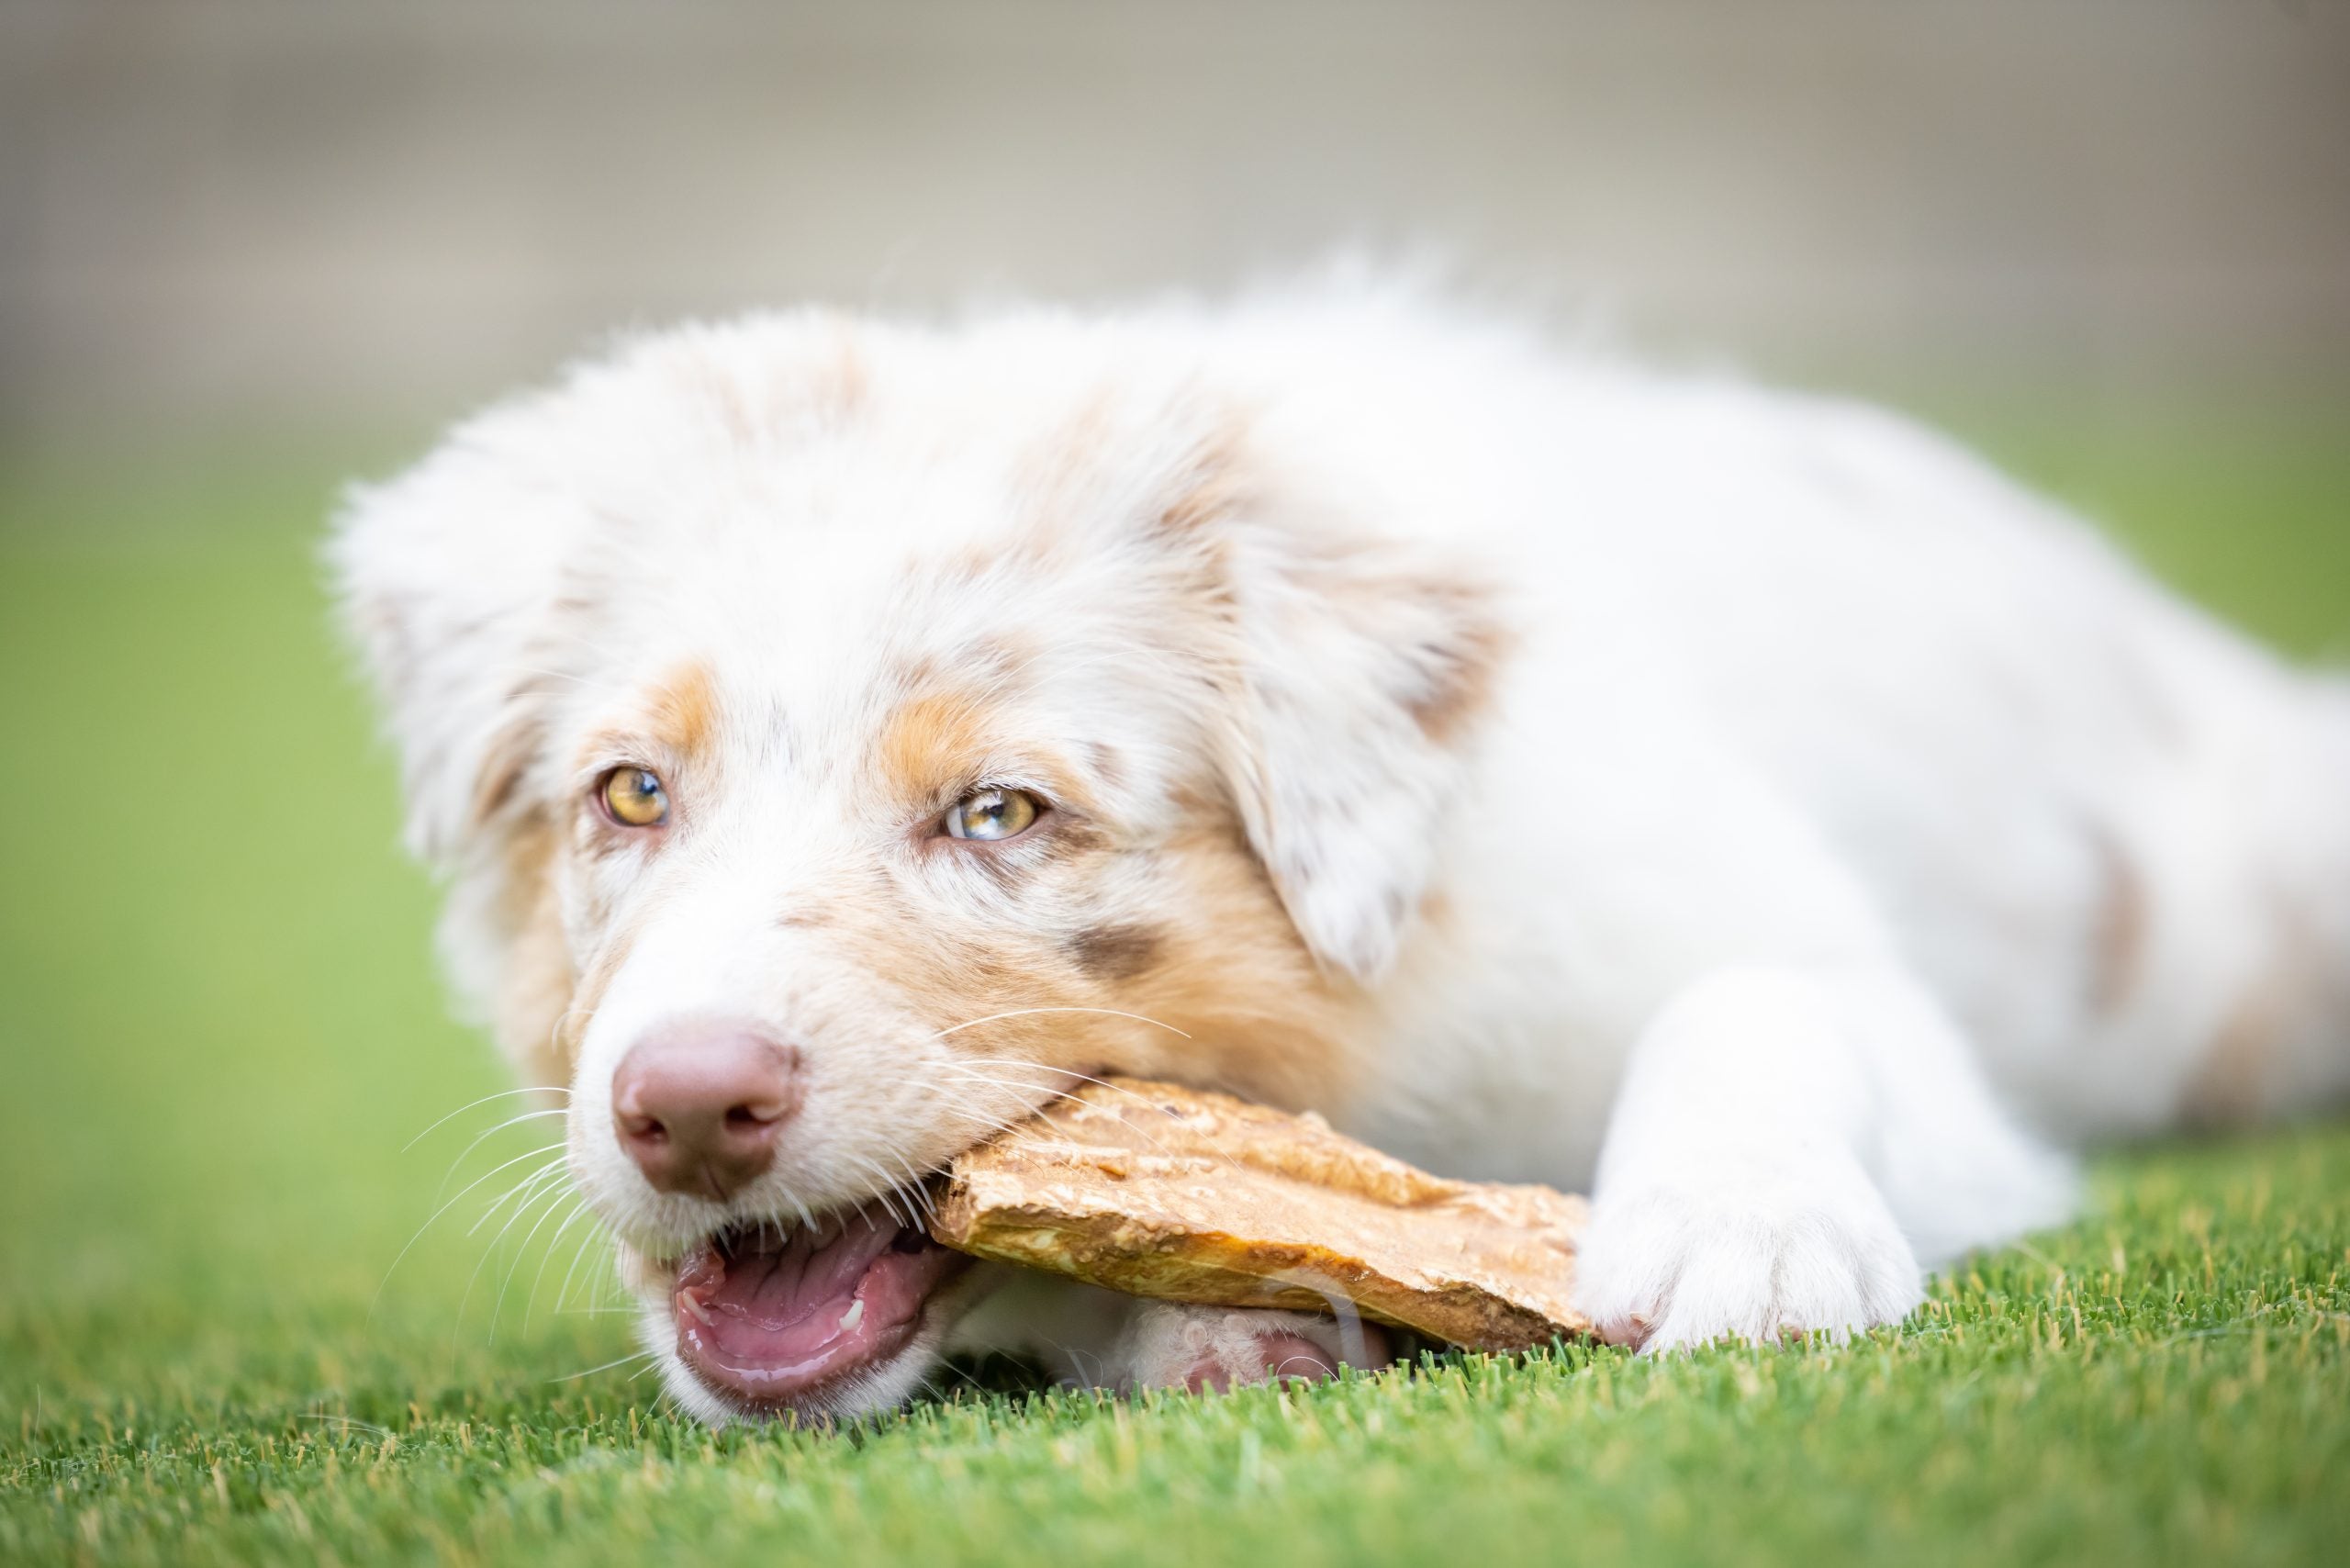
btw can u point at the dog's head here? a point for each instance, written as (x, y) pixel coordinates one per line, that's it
(838, 738)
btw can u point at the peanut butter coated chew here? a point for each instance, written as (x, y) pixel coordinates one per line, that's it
(1186, 1195)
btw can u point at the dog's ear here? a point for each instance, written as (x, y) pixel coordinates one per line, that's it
(449, 579)
(1363, 669)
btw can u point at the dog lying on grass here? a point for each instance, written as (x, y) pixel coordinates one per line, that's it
(842, 735)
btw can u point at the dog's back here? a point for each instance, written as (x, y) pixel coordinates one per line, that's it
(2113, 834)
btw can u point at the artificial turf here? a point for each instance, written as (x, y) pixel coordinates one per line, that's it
(220, 1033)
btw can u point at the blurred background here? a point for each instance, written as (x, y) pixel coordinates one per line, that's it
(262, 214)
(248, 251)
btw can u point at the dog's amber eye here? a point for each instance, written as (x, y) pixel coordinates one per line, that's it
(634, 797)
(991, 815)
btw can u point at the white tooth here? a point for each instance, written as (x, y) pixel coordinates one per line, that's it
(692, 1304)
(853, 1317)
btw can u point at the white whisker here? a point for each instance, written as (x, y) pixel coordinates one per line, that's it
(591, 1372)
(501, 1094)
(579, 1253)
(481, 1138)
(580, 1211)
(453, 1200)
(526, 1184)
(1029, 1011)
(523, 1251)
(1071, 1072)
(487, 1250)
(887, 1202)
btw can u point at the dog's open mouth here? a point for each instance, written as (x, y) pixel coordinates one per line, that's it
(770, 1320)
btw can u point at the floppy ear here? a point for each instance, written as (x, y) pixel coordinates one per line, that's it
(448, 578)
(1364, 666)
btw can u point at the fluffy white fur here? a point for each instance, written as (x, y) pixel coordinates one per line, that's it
(1742, 804)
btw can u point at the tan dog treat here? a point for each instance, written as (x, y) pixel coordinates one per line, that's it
(1185, 1195)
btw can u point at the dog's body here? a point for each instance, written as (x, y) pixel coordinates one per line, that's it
(1740, 803)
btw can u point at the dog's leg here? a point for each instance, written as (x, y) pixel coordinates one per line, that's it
(1169, 1345)
(1099, 1339)
(1786, 1147)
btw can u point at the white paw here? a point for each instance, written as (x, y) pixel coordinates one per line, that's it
(1168, 1344)
(1666, 1266)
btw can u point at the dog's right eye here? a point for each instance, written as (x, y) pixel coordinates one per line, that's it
(993, 814)
(633, 796)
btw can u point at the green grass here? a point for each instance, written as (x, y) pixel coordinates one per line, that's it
(218, 1028)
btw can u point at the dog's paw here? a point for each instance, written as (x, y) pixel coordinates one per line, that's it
(1675, 1266)
(1168, 1344)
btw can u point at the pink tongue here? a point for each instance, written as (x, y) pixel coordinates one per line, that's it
(768, 1321)
(771, 1302)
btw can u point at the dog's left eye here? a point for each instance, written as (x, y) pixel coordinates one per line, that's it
(634, 798)
(991, 815)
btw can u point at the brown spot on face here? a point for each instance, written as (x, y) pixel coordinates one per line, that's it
(930, 744)
(1115, 952)
(682, 711)
(935, 743)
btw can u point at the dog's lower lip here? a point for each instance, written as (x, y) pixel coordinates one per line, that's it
(767, 1320)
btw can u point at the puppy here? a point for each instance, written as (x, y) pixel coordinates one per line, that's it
(839, 736)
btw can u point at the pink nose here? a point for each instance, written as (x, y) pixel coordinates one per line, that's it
(698, 1106)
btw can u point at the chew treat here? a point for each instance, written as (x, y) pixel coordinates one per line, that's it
(1185, 1195)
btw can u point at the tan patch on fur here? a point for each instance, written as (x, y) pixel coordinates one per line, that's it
(588, 995)
(1063, 471)
(930, 743)
(1214, 486)
(2238, 1080)
(676, 720)
(2124, 917)
(535, 985)
(682, 711)
(1229, 997)
(503, 765)
(1462, 675)
(1265, 1022)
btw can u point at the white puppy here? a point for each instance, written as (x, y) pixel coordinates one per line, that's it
(838, 734)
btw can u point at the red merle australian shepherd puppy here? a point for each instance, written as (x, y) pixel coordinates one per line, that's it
(838, 735)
